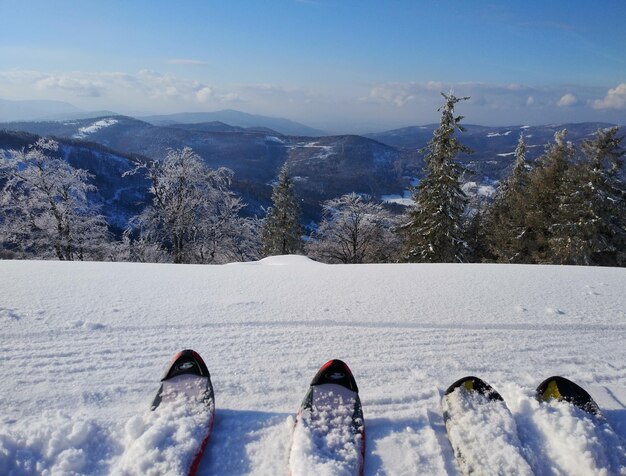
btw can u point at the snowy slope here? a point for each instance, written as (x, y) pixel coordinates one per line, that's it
(82, 346)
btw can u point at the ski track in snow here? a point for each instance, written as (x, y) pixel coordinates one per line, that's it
(83, 345)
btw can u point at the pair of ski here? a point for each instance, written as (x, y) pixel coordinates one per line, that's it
(484, 437)
(328, 435)
(329, 432)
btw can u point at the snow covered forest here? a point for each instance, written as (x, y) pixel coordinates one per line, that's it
(566, 207)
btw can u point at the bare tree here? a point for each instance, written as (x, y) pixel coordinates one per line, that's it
(45, 210)
(354, 230)
(193, 215)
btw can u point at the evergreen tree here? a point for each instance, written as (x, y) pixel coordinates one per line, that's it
(434, 231)
(544, 189)
(282, 232)
(591, 229)
(505, 226)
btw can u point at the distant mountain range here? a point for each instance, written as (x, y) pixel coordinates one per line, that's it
(382, 165)
(236, 118)
(36, 110)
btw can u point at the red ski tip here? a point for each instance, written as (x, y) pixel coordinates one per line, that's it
(337, 372)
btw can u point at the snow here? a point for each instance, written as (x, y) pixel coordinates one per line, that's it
(485, 433)
(404, 199)
(506, 154)
(83, 345)
(166, 441)
(474, 189)
(83, 132)
(498, 134)
(324, 441)
(325, 151)
(574, 441)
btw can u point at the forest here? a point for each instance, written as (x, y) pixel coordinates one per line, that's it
(566, 207)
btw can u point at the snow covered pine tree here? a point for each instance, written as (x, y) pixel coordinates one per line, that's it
(434, 229)
(282, 232)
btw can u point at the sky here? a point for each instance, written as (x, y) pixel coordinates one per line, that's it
(340, 65)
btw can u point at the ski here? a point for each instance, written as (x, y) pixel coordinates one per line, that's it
(171, 438)
(482, 430)
(561, 389)
(329, 432)
(577, 437)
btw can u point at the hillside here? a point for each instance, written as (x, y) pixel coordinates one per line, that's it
(381, 165)
(327, 166)
(493, 147)
(84, 345)
(119, 197)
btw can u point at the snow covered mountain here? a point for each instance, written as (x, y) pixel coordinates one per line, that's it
(326, 167)
(382, 165)
(493, 147)
(84, 345)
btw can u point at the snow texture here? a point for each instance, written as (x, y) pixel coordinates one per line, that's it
(166, 441)
(483, 434)
(83, 345)
(324, 441)
(575, 442)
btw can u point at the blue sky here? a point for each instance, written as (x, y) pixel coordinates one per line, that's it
(340, 65)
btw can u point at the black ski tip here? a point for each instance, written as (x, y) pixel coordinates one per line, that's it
(560, 388)
(186, 362)
(474, 384)
(335, 371)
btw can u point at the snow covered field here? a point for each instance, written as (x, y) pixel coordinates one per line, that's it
(83, 345)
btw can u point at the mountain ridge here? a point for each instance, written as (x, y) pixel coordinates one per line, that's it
(382, 165)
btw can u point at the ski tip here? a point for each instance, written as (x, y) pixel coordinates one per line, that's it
(475, 384)
(561, 389)
(335, 371)
(186, 362)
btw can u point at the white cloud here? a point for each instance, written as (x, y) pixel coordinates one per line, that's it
(143, 87)
(567, 100)
(615, 99)
(368, 107)
(87, 87)
(204, 94)
(398, 95)
(230, 97)
(149, 90)
(489, 95)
